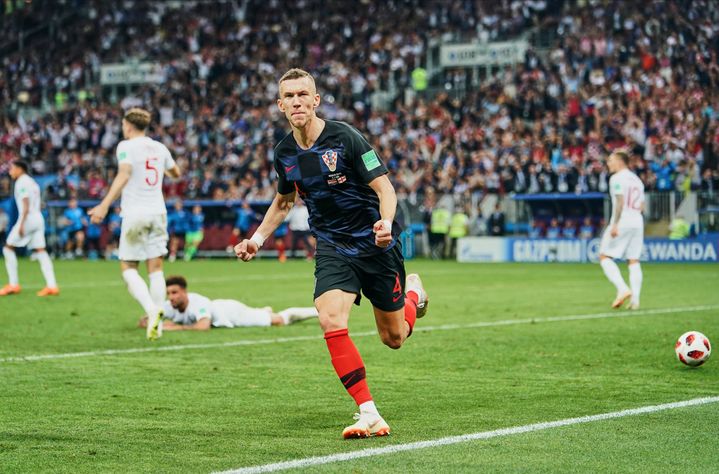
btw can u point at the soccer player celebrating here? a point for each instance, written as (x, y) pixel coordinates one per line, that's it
(142, 163)
(624, 236)
(351, 205)
(28, 231)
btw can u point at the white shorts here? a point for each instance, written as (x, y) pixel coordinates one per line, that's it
(143, 237)
(627, 245)
(33, 236)
(232, 314)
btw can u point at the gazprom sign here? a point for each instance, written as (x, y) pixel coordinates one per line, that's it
(483, 54)
(704, 248)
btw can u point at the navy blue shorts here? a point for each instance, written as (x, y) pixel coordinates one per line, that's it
(379, 277)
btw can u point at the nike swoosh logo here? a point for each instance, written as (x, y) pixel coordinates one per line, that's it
(394, 300)
(290, 168)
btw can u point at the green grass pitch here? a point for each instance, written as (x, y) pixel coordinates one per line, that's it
(217, 407)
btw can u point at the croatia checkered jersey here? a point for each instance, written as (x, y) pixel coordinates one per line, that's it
(628, 185)
(333, 177)
(142, 195)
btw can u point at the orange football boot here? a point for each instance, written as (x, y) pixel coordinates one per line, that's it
(10, 290)
(47, 291)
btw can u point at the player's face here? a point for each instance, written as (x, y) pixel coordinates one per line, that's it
(613, 163)
(177, 296)
(15, 171)
(298, 100)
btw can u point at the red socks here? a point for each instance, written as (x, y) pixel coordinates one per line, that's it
(410, 309)
(348, 365)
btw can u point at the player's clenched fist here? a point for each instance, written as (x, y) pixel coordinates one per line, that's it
(246, 249)
(382, 233)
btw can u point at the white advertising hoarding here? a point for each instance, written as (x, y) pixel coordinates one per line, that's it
(140, 73)
(482, 54)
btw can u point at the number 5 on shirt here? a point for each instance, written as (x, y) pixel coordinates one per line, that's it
(153, 175)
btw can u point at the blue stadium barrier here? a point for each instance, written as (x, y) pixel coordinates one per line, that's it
(557, 196)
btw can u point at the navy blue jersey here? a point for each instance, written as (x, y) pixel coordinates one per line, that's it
(332, 178)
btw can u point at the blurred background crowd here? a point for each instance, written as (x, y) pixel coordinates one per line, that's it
(599, 75)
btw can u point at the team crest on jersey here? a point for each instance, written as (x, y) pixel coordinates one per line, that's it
(330, 159)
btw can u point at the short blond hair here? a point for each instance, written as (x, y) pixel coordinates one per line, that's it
(622, 155)
(139, 118)
(297, 73)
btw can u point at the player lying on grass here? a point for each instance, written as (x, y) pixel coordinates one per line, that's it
(184, 311)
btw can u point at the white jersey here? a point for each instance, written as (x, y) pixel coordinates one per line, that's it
(149, 159)
(627, 184)
(26, 187)
(222, 313)
(198, 307)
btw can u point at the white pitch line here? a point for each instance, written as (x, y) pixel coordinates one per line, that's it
(443, 327)
(397, 448)
(237, 278)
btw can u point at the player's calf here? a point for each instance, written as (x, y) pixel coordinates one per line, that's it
(392, 339)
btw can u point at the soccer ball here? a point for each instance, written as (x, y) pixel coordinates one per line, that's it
(693, 348)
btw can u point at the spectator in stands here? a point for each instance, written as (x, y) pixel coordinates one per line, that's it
(679, 228)
(4, 224)
(569, 231)
(195, 232)
(299, 224)
(279, 239)
(586, 231)
(554, 230)
(243, 223)
(535, 229)
(178, 221)
(458, 228)
(495, 223)
(114, 227)
(74, 229)
(438, 230)
(94, 232)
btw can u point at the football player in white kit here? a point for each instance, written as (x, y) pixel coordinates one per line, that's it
(28, 231)
(142, 163)
(185, 311)
(624, 237)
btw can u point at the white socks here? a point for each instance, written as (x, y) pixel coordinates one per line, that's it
(45, 265)
(138, 289)
(635, 280)
(611, 270)
(158, 290)
(10, 265)
(301, 313)
(47, 269)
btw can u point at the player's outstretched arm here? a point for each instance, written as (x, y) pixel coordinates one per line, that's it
(275, 215)
(98, 213)
(203, 324)
(387, 209)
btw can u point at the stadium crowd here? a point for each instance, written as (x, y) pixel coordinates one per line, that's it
(617, 74)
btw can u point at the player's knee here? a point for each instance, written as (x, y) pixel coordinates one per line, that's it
(332, 320)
